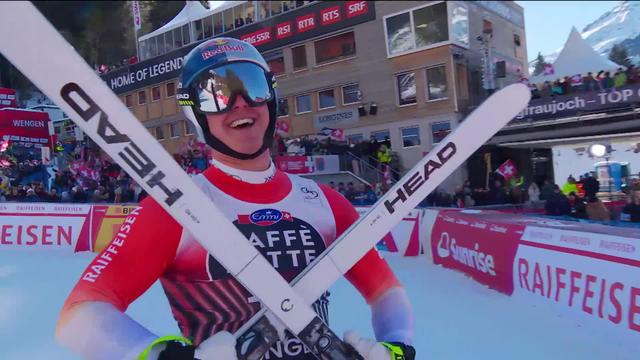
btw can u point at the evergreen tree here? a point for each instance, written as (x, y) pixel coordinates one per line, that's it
(620, 56)
(539, 66)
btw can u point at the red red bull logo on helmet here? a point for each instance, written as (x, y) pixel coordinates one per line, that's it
(209, 53)
(265, 217)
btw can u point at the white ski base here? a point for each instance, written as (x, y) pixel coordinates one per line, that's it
(456, 318)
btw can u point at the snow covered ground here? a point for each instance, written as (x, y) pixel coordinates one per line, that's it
(456, 317)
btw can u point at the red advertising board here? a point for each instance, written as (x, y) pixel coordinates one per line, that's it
(25, 127)
(7, 98)
(482, 248)
(294, 164)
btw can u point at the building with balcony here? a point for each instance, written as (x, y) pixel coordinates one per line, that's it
(402, 71)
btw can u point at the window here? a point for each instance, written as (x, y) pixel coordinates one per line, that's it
(238, 20)
(283, 107)
(430, 26)
(350, 94)
(249, 13)
(399, 35)
(174, 130)
(276, 7)
(380, 136)
(326, 99)
(276, 62)
(299, 54)
(189, 128)
(440, 130)
(335, 48)
(264, 9)
(171, 89)
(355, 138)
(227, 15)
(288, 5)
(128, 100)
(303, 104)
(168, 41)
(142, 97)
(218, 28)
(410, 136)
(437, 83)
(208, 26)
(152, 47)
(406, 84)
(197, 29)
(186, 37)
(459, 23)
(155, 93)
(177, 37)
(159, 133)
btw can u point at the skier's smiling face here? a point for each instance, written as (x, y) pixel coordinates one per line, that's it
(243, 128)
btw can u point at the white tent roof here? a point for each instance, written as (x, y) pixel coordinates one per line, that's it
(576, 57)
(192, 11)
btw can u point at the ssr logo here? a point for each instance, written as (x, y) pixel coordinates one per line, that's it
(265, 217)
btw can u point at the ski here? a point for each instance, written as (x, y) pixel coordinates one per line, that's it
(476, 129)
(68, 81)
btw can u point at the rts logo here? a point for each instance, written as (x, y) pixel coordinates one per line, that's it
(265, 217)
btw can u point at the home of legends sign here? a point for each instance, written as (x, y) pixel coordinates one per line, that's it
(293, 26)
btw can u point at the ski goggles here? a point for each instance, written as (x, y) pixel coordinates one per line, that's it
(216, 89)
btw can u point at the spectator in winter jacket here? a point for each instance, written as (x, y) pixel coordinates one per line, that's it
(588, 83)
(631, 211)
(620, 78)
(557, 204)
(596, 210)
(547, 190)
(607, 81)
(497, 195)
(591, 186)
(570, 186)
(578, 207)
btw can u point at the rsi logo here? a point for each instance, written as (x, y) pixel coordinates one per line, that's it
(418, 179)
(473, 258)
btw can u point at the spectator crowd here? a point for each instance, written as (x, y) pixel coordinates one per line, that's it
(602, 81)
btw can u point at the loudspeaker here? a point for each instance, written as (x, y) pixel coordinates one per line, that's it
(501, 69)
(373, 109)
(362, 111)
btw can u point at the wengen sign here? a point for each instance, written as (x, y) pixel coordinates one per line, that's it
(571, 105)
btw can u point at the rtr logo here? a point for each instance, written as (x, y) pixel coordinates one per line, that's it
(265, 217)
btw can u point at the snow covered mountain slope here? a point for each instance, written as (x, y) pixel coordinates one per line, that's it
(621, 24)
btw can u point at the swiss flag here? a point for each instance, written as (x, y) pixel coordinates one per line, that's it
(507, 170)
(337, 134)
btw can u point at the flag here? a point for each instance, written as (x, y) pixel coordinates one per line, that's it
(576, 79)
(507, 170)
(137, 20)
(337, 134)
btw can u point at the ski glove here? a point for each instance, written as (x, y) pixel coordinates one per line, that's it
(220, 346)
(372, 350)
